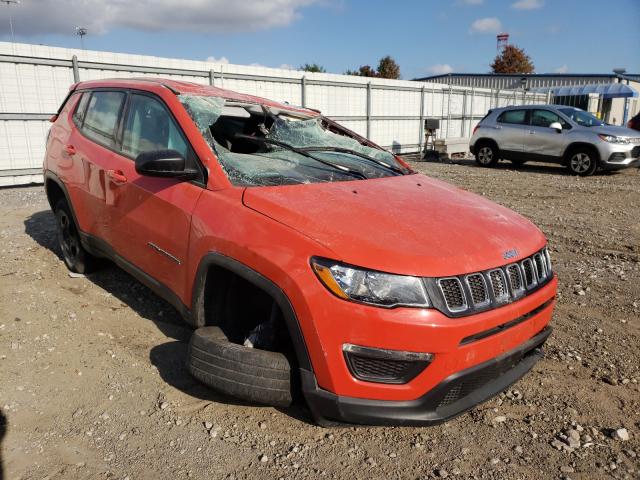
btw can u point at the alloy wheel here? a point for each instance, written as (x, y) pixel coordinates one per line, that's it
(485, 155)
(580, 162)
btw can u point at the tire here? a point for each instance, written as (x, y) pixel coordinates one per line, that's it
(75, 257)
(582, 161)
(517, 163)
(251, 374)
(487, 155)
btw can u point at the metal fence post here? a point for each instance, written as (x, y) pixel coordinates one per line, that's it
(76, 70)
(421, 126)
(212, 77)
(369, 110)
(448, 112)
(464, 114)
(473, 98)
(303, 91)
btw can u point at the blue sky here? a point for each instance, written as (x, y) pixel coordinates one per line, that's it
(425, 37)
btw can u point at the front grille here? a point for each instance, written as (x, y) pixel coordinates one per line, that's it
(529, 274)
(478, 289)
(463, 295)
(451, 289)
(635, 152)
(498, 284)
(515, 278)
(540, 266)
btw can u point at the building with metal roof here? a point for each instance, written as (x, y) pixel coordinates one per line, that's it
(612, 96)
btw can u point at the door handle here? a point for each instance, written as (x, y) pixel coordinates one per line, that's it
(117, 176)
(532, 132)
(498, 127)
(70, 149)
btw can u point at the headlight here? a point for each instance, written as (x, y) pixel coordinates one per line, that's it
(368, 286)
(614, 139)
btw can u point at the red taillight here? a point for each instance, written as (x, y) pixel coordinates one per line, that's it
(476, 128)
(53, 118)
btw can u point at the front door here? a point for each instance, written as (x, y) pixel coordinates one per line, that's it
(151, 216)
(541, 140)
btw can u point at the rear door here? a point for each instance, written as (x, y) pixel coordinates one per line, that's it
(92, 145)
(150, 217)
(543, 141)
(511, 126)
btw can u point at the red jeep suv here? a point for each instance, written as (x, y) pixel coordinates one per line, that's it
(307, 259)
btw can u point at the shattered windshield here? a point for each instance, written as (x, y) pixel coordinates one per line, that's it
(259, 146)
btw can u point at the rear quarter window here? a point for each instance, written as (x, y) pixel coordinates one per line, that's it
(516, 117)
(81, 109)
(101, 118)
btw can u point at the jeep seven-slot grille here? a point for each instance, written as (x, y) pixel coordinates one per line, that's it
(466, 294)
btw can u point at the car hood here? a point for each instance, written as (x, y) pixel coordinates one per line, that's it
(409, 224)
(617, 131)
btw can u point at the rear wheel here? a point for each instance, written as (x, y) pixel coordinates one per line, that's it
(582, 161)
(487, 155)
(75, 257)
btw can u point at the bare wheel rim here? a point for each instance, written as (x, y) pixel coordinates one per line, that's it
(68, 237)
(485, 155)
(580, 162)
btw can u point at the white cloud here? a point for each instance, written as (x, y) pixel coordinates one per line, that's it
(440, 69)
(99, 16)
(563, 69)
(486, 25)
(527, 4)
(223, 60)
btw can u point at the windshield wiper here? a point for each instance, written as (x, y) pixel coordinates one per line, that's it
(335, 166)
(357, 154)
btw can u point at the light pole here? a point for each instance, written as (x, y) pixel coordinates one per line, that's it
(8, 3)
(81, 32)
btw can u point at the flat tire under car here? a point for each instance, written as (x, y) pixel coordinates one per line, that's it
(251, 374)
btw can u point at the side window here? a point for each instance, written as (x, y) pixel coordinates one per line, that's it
(544, 118)
(81, 109)
(516, 117)
(101, 118)
(149, 126)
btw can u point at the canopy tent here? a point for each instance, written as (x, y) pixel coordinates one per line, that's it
(605, 90)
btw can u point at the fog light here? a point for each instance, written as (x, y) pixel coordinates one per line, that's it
(384, 366)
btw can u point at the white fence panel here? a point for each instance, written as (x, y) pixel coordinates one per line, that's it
(34, 79)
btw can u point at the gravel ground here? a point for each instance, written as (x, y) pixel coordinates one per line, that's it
(93, 383)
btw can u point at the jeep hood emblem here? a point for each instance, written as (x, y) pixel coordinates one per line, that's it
(510, 254)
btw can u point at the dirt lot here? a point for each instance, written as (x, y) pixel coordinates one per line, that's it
(93, 383)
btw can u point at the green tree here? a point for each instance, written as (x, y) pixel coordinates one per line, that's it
(512, 60)
(388, 68)
(313, 67)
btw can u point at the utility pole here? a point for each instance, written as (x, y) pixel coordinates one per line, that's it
(8, 3)
(81, 32)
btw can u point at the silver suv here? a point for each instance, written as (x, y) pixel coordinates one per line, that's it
(554, 133)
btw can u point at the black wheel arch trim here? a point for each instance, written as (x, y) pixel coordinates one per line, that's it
(255, 278)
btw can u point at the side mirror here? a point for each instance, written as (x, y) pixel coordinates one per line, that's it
(557, 126)
(164, 163)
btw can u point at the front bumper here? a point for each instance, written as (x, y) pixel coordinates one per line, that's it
(451, 397)
(613, 156)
